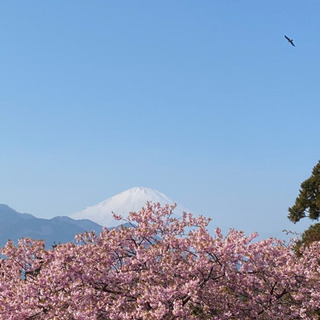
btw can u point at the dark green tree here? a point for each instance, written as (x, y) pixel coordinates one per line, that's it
(310, 235)
(308, 202)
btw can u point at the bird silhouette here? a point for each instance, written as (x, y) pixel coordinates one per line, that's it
(290, 40)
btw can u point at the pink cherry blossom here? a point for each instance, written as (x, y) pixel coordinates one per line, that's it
(160, 268)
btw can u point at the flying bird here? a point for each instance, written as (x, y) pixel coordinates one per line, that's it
(290, 40)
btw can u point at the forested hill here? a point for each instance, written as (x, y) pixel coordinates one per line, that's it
(15, 225)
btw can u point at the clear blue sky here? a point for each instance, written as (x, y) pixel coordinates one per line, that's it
(204, 101)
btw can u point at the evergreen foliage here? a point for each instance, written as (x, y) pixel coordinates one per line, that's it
(307, 204)
(310, 235)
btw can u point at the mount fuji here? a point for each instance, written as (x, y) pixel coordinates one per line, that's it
(131, 200)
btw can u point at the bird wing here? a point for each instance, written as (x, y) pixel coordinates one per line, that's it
(290, 40)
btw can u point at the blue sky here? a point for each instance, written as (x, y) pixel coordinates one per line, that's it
(204, 101)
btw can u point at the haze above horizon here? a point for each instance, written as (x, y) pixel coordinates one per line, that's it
(206, 102)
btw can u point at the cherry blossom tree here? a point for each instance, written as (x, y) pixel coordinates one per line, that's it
(162, 267)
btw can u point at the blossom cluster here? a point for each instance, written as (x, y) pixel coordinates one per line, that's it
(162, 267)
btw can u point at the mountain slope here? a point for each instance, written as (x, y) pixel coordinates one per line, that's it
(15, 225)
(131, 200)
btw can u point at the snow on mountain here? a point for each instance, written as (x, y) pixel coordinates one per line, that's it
(131, 200)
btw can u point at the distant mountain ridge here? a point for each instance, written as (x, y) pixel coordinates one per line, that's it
(131, 200)
(15, 225)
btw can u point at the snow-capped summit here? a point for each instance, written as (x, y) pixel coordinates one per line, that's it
(131, 200)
